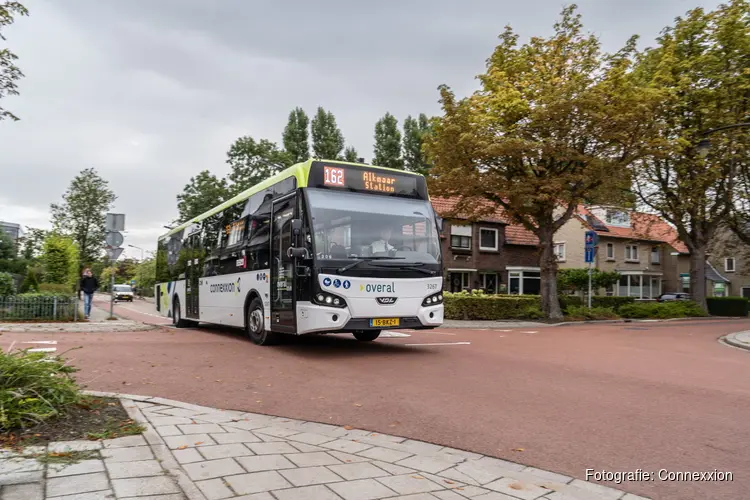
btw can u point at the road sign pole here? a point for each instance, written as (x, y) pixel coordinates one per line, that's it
(590, 272)
(112, 293)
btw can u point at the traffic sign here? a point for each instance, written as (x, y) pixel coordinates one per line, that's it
(114, 239)
(590, 252)
(591, 239)
(132, 282)
(114, 253)
(115, 222)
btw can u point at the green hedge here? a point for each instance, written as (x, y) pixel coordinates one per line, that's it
(490, 307)
(662, 310)
(728, 306)
(614, 303)
(38, 306)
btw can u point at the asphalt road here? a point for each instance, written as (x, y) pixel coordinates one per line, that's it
(617, 397)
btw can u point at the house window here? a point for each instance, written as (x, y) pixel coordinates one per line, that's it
(458, 280)
(729, 264)
(524, 282)
(655, 255)
(746, 292)
(720, 289)
(487, 239)
(461, 237)
(610, 251)
(560, 252)
(631, 253)
(639, 287)
(618, 217)
(685, 279)
(488, 282)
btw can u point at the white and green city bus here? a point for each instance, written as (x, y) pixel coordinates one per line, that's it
(321, 247)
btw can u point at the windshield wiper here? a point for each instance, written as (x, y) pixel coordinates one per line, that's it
(364, 259)
(412, 266)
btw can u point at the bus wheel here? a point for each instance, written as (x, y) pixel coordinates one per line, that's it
(177, 320)
(366, 335)
(254, 325)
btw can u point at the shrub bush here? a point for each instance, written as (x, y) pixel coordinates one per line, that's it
(728, 306)
(478, 306)
(582, 313)
(7, 285)
(568, 301)
(30, 282)
(39, 306)
(55, 288)
(662, 310)
(34, 388)
(613, 303)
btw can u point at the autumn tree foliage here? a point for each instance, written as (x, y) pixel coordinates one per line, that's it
(555, 124)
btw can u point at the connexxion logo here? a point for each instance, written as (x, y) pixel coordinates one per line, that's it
(379, 288)
(225, 287)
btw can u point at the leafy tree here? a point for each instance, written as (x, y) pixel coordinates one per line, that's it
(145, 276)
(555, 124)
(254, 161)
(328, 141)
(700, 68)
(7, 285)
(32, 242)
(388, 143)
(415, 130)
(83, 213)
(350, 154)
(60, 259)
(30, 281)
(577, 280)
(9, 72)
(7, 246)
(202, 193)
(296, 136)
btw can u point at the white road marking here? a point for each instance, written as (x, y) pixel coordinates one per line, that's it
(441, 333)
(43, 349)
(53, 342)
(529, 332)
(389, 334)
(443, 343)
(503, 330)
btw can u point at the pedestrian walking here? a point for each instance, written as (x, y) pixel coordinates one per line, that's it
(89, 285)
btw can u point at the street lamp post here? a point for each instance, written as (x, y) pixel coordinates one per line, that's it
(139, 248)
(704, 145)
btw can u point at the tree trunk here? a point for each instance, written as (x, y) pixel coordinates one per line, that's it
(548, 268)
(698, 276)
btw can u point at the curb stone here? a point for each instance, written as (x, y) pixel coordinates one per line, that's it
(740, 340)
(343, 459)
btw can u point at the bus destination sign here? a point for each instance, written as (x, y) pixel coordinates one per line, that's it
(368, 180)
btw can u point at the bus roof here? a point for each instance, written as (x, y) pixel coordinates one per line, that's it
(300, 170)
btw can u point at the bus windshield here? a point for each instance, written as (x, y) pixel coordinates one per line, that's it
(354, 225)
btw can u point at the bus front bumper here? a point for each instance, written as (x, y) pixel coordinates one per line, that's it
(312, 318)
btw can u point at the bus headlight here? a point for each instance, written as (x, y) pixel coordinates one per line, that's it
(329, 299)
(433, 300)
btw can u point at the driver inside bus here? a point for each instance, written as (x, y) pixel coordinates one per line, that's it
(338, 250)
(382, 244)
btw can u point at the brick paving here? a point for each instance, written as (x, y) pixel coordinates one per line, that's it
(191, 452)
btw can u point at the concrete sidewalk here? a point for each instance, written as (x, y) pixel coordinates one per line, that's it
(97, 323)
(200, 453)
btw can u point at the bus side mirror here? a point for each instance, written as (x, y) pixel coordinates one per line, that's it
(298, 253)
(439, 221)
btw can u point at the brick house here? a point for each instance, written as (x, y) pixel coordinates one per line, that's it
(730, 258)
(642, 247)
(488, 254)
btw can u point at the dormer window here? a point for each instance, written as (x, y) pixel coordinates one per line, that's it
(617, 217)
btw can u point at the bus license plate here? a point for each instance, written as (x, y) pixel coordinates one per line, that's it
(384, 322)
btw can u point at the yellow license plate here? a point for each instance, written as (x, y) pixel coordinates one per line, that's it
(384, 322)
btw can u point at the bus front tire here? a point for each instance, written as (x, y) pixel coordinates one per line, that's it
(254, 325)
(366, 335)
(177, 320)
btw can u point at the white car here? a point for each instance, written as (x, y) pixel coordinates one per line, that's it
(123, 292)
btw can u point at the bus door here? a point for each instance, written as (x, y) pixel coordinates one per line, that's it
(282, 265)
(193, 273)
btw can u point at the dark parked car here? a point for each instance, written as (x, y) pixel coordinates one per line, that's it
(671, 297)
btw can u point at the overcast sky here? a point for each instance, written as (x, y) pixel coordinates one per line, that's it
(150, 92)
